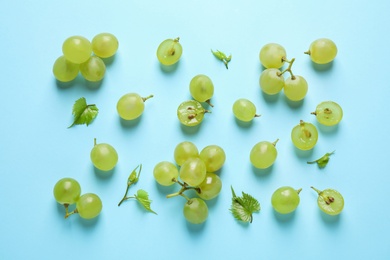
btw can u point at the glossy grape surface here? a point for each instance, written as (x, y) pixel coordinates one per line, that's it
(328, 113)
(169, 51)
(213, 156)
(271, 81)
(263, 155)
(77, 49)
(185, 150)
(193, 172)
(130, 106)
(195, 211)
(105, 45)
(285, 200)
(201, 88)
(322, 51)
(272, 55)
(104, 157)
(244, 110)
(295, 89)
(304, 136)
(89, 206)
(210, 187)
(93, 69)
(67, 191)
(65, 70)
(164, 173)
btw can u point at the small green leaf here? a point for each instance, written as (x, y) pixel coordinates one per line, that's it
(222, 57)
(323, 161)
(243, 207)
(143, 198)
(134, 177)
(83, 113)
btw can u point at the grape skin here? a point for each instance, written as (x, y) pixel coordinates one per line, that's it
(77, 49)
(201, 88)
(304, 136)
(295, 89)
(165, 172)
(193, 172)
(104, 45)
(272, 55)
(328, 113)
(244, 110)
(185, 150)
(330, 201)
(93, 69)
(263, 155)
(67, 191)
(130, 106)
(322, 51)
(64, 70)
(89, 206)
(169, 52)
(195, 211)
(271, 81)
(210, 187)
(104, 157)
(285, 200)
(213, 156)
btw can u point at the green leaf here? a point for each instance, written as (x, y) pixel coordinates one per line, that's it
(134, 177)
(243, 207)
(323, 161)
(83, 113)
(143, 198)
(222, 57)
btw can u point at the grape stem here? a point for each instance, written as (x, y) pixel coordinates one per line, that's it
(133, 178)
(209, 102)
(184, 187)
(146, 98)
(328, 200)
(288, 68)
(274, 143)
(71, 213)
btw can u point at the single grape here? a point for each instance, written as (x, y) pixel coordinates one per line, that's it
(184, 151)
(77, 49)
(304, 136)
(165, 173)
(295, 88)
(193, 172)
(89, 206)
(263, 154)
(191, 113)
(103, 156)
(195, 211)
(201, 88)
(328, 113)
(131, 106)
(65, 70)
(271, 81)
(330, 201)
(285, 200)
(210, 187)
(105, 45)
(93, 69)
(67, 191)
(244, 110)
(322, 51)
(169, 51)
(272, 55)
(213, 156)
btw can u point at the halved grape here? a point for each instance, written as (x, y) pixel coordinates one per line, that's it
(244, 110)
(263, 154)
(304, 136)
(64, 70)
(285, 199)
(131, 106)
(105, 45)
(169, 51)
(330, 201)
(93, 69)
(165, 173)
(210, 187)
(213, 156)
(67, 191)
(195, 211)
(89, 206)
(295, 88)
(272, 55)
(271, 81)
(191, 113)
(322, 51)
(103, 156)
(328, 113)
(77, 49)
(184, 151)
(193, 172)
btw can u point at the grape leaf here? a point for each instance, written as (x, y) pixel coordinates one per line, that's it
(243, 207)
(323, 161)
(83, 113)
(143, 198)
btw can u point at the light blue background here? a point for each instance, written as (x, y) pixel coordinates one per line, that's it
(37, 149)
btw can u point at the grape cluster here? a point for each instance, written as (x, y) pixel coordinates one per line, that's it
(194, 170)
(77, 57)
(67, 192)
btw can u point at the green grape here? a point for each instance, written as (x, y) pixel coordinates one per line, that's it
(131, 106)
(165, 173)
(210, 187)
(93, 69)
(213, 156)
(285, 200)
(89, 206)
(328, 113)
(295, 88)
(271, 81)
(272, 55)
(169, 51)
(322, 51)
(201, 88)
(184, 151)
(193, 171)
(67, 191)
(244, 110)
(195, 211)
(263, 154)
(330, 201)
(105, 45)
(77, 49)
(103, 156)
(304, 136)
(65, 70)
(191, 113)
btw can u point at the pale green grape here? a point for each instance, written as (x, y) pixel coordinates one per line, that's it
(93, 69)
(77, 49)
(213, 156)
(328, 113)
(184, 151)
(191, 113)
(64, 70)
(210, 187)
(244, 110)
(295, 88)
(322, 51)
(304, 136)
(103, 156)
(201, 88)
(165, 172)
(330, 201)
(285, 200)
(131, 106)
(105, 45)
(271, 81)
(67, 191)
(89, 206)
(195, 211)
(272, 55)
(169, 51)
(263, 154)
(193, 171)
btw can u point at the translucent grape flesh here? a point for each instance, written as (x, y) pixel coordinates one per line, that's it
(89, 206)
(105, 45)
(77, 49)
(295, 89)
(67, 191)
(165, 172)
(304, 136)
(169, 52)
(193, 172)
(64, 70)
(195, 211)
(185, 150)
(329, 113)
(244, 110)
(190, 113)
(285, 200)
(130, 106)
(271, 81)
(330, 202)
(210, 187)
(272, 55)
(213, 156)
(93, 69)
(322, 51)
(104, 157)
(263, 155)
(201, 88)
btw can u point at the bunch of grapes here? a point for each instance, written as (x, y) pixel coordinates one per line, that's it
(194, 170)
(77, 57)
